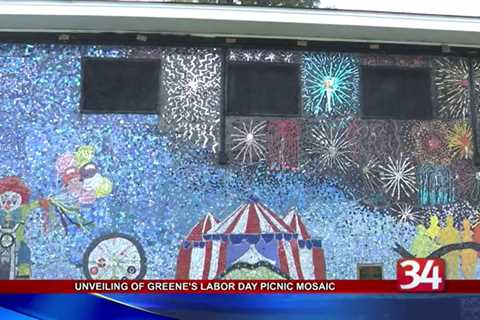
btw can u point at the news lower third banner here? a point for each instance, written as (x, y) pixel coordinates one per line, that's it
(229, 286)
(420, 291)
(212, 300)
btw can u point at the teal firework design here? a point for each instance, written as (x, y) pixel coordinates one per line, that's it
(330, 84)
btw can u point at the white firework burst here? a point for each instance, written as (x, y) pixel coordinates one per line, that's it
(192, 82)
(232, 56)
(453, 85)
(288, 57)
(258, 55)
(369, 171)
(249, 141)
(270, 57)
(406, 213)
(253, 55)
(398, 177)
(248, 56)
(333, 146)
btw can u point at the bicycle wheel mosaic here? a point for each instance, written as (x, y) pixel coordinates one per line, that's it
(312, 196)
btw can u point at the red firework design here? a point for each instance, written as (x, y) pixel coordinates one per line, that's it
(431, 142)
(283, 144)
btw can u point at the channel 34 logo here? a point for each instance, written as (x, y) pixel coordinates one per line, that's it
(421, 275)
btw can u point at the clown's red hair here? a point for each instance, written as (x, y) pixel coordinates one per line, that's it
(15, 184)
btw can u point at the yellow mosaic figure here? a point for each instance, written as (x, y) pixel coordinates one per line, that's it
(468, 256)
(422, 245)
(450, 235)
(434, 229)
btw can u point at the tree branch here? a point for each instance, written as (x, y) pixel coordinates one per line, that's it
(453, 247)
(404, 253)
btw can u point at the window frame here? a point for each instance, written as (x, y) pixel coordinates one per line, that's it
(431, 91)
(157, 108)
(363, 265)
(299, 101)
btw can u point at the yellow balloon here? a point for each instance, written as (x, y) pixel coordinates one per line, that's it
(84, 155)
(104, 188)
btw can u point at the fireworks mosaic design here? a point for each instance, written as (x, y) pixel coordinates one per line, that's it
(332, 147)
(430, 140)
(435, 185)
(394, 60)
(476, 76)
(406, 213)
(192, 82)
(164, 181)
(453, 86)
(260, 55)
(283, 144)
(249, 141)
(376, 137)
(460, 210)
(369, 169)
(398, 177)
(467, 180)
(363, 181)
(330, 84)
(460, 141)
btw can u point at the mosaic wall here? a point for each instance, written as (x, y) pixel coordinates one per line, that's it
(327, 189)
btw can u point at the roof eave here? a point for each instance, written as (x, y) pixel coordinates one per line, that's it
(235, 21)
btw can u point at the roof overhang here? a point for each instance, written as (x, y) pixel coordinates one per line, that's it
(236, 21)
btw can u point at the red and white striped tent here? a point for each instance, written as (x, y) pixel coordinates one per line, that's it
(311, 252)
(250, 223)
(252, 218)
(252, 233)
(193, 259)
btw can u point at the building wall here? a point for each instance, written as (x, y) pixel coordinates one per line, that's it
(384, 179)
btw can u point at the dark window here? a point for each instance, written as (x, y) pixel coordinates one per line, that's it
(263, 89)
(396, 93)
(120, 85)
(370, 272)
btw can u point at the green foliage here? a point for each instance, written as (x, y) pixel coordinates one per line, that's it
(280, 3)
(258, 271)
(23, 270)
(261, 3)
(257, 274)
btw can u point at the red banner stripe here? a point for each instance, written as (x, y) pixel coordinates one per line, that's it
(224, 287)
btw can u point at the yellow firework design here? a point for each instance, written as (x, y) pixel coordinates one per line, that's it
(460, 141)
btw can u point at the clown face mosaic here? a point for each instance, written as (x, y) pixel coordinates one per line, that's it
(10, 201)
(309, 196)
